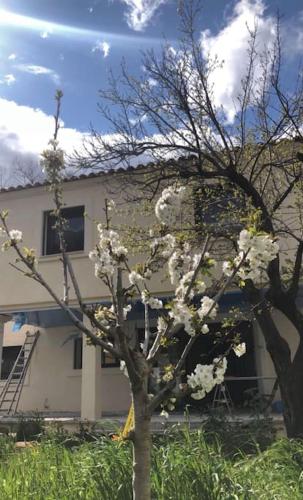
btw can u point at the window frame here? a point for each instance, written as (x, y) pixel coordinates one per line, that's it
(109, 364)
(46, 229)
(13, 361)
(78, 353)
(78, 356)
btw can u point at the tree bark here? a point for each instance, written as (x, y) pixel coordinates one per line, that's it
(292, 397)
(289, 372)
(141, 447)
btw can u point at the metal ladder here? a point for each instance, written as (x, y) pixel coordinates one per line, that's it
(11, 392)
(222, 397)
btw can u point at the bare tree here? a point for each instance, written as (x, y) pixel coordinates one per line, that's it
(26, 171)
(169, 117)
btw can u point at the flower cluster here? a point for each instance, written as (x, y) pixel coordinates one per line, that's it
(108, 253)
(153, 302)
(165, 245)
(15, 235)
(179, 263)
(168, 205)
(136, 279)
(208, 308)
(181, 313)
(52, 162)
(240, 349)
(256, 251)
(205, 377)
(182, 269)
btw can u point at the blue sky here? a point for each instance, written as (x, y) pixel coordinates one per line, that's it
(72, 44)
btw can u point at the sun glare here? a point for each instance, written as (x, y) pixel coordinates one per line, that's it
(12, 19)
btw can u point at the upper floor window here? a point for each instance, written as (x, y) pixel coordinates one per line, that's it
(73, 233)
(219, 208)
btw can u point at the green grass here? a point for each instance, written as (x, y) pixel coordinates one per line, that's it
(186, 466)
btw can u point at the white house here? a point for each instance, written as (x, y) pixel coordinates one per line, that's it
(65, 374)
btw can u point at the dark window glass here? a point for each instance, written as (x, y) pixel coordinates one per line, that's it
(9, 356)
(73, 234)
(78, 353)
(220, 208)
(108, 360)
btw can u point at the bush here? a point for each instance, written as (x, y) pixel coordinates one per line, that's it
(30, 428)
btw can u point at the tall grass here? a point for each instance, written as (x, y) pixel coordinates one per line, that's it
(186, 466)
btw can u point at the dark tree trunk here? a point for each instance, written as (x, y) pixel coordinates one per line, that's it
(141, 447)
(292, 395)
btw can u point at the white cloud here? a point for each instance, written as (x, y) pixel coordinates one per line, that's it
(140, 12)
(44, 34)
(103, 47)
(12, 57)
(25, 132)
(8, 79)
(230, 45)
(39, 70)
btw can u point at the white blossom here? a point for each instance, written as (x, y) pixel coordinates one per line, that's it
(153, 302)
(240, 349)
(164, 414)
(205, 328)
(179, 263)
(166, 244)
(15, 235)
(126, 310)
(111, 205)
(161, 325)
(93, 256)
(168, 205)
(182, 314)
(256, 251)
(205, 377)
(208, 308)
(108, 252)
(135, 278)
(123, 368)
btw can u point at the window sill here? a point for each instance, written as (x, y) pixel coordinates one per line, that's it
(74, 373)
(81, 254)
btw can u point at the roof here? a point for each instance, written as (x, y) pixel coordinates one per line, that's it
(112, 171)
(73, 178)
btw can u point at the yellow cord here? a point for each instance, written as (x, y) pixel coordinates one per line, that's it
(128, 427)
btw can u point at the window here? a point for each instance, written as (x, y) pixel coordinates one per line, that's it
(78, 353)
(220, 208)
(73, 233)
(107, 360)
(9, 356)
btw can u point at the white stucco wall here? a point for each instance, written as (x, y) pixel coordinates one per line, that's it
(52, 385)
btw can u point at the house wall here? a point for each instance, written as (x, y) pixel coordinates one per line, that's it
(52, 384)
(26, 208)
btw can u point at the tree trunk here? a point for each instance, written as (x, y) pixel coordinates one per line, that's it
(141, 448)
(289, 372)
(291, 385)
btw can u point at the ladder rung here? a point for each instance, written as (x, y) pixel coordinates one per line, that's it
(12, 389)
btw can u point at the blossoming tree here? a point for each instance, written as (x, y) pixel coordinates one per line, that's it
(251, 149)
(193, 302)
